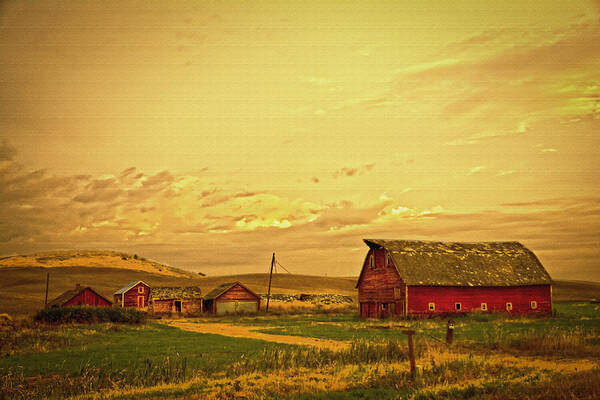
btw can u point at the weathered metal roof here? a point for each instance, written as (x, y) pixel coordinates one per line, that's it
(219, 290)
(129, 286)
(423, 263)
(169, 293)
(69, 294)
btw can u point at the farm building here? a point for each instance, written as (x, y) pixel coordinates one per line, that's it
(78, 297)
(401, 277)
(134, 294)
(231, 298)
(184, 300)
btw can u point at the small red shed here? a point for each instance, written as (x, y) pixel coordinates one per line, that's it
(231, 298)
(134, 294)
(78, 297)
(401, 277)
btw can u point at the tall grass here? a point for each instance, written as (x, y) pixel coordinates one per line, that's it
(91, 378)
(359, 352)
(305, 307)
(573, 342)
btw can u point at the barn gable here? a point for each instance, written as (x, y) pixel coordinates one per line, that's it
(222, 289)
(71, 294)
(423, 263)
(130, 286)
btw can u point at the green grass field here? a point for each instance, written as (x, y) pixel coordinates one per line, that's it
(493, 356)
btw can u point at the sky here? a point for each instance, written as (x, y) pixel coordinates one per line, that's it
(207, 135)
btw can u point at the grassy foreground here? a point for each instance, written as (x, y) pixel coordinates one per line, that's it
(493, 357)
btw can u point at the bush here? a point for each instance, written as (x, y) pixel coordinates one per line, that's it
(87, 314)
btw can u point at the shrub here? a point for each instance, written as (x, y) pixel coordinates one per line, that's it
(86, 314)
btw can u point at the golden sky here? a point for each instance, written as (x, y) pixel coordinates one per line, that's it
(207, 134)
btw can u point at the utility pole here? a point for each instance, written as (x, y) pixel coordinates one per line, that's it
(270, 277)
(47, 281)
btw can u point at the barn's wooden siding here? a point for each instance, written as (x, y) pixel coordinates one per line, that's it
(131, 296)
(379, 286)
(470, 298)
(237, 293)
(87, 297)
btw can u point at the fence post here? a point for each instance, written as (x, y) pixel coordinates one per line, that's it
(411, 351)
(450, 332)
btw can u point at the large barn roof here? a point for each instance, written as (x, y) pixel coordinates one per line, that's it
(169, 293)
(422, 263)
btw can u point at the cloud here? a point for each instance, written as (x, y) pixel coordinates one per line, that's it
(183, 220)
(503, 172)
(346, 171)
(476, 169)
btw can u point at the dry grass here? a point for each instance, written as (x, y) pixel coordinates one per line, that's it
(304, 307)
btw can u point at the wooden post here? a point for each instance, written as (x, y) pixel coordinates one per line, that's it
(270, 277)
(47, 282)
(450, 332)
(411, 351)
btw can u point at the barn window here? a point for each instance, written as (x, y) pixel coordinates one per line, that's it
(372, 261)
(457, 306)
(508, 306)
(140, 289)
(483, 306)
(533, 304)
(431, 306)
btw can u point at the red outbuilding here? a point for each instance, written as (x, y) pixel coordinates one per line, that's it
(402, 277)
(134, 294)
(78, 297)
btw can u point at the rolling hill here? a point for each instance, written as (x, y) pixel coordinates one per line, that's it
(92, 258)
(23, 283)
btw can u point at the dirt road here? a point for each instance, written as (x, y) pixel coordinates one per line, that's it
(242, 331)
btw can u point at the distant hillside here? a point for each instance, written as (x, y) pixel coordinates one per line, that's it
(22, 289)
(575, 290)
(92, 258)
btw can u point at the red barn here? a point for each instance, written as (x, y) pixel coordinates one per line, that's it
(231, 298)
(134, 294)
(401, 277)
(78, 297)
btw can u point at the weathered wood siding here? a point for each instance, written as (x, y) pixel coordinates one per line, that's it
(87, 297)
(470, 299)
(238, 293)
(131, 296)
(188, 306)
(380, 290)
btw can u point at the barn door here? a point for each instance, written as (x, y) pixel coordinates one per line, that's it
(140, 301)
(373, 311)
